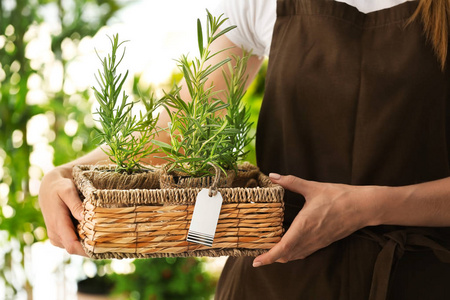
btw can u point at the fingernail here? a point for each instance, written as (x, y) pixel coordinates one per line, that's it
(275, 176)
(257, 264)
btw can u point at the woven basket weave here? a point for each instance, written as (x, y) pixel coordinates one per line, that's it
(153, 222)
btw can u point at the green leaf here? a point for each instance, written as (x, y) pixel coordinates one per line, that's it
(213, 68)
(200, 37)
(228, 29)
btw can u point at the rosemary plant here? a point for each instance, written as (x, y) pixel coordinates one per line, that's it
(127, 136)
(200, 134)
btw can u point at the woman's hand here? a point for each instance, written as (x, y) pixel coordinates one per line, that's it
(58, 199)
(331, 212)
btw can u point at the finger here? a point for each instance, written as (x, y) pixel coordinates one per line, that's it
(69, 195)
(273, 255)
(69, 239)
(292, 183)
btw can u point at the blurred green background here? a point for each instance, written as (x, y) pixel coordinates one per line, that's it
(45, 120)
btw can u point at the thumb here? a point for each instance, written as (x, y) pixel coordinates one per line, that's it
(273, 255)
(69, 195)
(292, 183)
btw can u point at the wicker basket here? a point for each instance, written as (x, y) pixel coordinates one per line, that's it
(154, 222)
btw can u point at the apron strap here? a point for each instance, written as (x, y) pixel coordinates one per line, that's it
(394, 244)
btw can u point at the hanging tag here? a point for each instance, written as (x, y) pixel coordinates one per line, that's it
(205, 218)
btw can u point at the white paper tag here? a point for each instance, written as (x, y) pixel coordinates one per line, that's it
(205, 218)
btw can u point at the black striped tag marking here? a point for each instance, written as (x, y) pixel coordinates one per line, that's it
(200, 238)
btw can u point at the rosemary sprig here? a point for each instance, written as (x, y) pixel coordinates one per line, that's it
(238, 116)
(127, 136)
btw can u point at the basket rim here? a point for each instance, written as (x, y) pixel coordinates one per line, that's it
(266, 192)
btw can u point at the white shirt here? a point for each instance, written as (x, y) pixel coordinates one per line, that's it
(255, 20)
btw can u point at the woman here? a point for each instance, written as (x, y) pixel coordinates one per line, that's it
(359, 100)
(357, 112)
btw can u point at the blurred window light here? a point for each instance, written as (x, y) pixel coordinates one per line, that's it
(69, 49)
(15, 79)
(53, 74)
(34, 185)
(17, 138)
(8, 211)
(10, 47)
(4, 190)
(77, 144)
(71, 127)
(2, 41)
(36, 97)
(15, 67)
(9, 5)
(37, 128)
(35, 172)
(34, 81)
(2, 73)
(40, 233)
(69, 87)
(9, 30)
(42, 156)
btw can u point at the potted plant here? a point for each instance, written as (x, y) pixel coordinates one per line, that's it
(208, 136)
(125, 135)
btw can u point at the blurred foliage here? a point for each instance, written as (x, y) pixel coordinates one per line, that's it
(16, 111)
(20, 168)
(165, 279)
(253, 100)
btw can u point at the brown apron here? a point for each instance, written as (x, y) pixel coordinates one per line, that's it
(358, 99)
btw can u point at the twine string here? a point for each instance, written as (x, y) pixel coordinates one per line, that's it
(213, 188)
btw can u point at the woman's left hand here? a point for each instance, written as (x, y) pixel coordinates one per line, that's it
(331, 212)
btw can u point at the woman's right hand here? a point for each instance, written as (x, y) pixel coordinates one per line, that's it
(59, 200)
